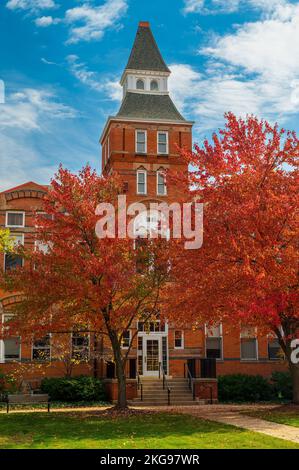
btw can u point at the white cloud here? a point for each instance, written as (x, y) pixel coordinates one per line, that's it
(88, 22)
(28, 109)
(93, 80)
(45, 21)
(32, 5)
(214, 6)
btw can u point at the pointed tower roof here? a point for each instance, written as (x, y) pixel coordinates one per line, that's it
(145, 54)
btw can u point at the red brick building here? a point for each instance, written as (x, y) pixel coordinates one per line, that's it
(139, 143)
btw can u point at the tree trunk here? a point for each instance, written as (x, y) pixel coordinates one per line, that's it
(294, 369)
(120, 374)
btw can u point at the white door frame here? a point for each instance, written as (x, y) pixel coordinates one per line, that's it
(151, 337)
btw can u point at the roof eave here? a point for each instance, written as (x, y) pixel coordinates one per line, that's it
(132, 119)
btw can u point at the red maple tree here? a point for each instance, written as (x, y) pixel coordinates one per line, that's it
(247, 269)
(81, 281)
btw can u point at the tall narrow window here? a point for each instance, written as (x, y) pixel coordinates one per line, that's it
(274, 349)
(140, 141)
(41, 349)
(140, 84)
(12, 260)
(141, 182)
(161, 184)
(249, 345)
(214, 342)
(179, 339)
(154, 85)
(126, 339)
(80, 346)
(162, 140)
(15, 219)
(12, 345)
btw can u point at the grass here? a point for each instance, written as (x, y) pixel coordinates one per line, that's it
(101, 430)
(288, 414)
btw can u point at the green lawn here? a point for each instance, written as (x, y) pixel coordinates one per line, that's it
(152, 431)
(284, 415)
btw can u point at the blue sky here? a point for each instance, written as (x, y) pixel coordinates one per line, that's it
(61, 62)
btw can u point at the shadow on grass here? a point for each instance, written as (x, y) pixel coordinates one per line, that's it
(138, 430)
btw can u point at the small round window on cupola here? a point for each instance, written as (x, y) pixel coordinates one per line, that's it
(140, 84)
(154, 85)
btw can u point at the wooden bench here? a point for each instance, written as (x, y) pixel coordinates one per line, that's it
(22, 399)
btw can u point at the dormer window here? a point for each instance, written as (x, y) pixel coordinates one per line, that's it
(154, 85)
(140, 84)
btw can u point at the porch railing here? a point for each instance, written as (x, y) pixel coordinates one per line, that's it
(139, 386)
(165, 382)
(190, 380)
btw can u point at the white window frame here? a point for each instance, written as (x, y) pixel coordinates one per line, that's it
(157, 82)
(217, 337)
(50, 347)
(182, 339)
(141, 80)
(243, 336)
(15, 212)
(22, 243)
(159, 172)
(145, 141)
(145, 182)
(72, 350)
(271, 337)
(2, 347)
(130, 339)
(167, 146)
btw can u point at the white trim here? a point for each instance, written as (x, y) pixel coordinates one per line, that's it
(88, 335)
(159, 172)
(167, 146)
(145, 182)
(145, 120)
(145, 141)
(14, 212)
(216, 337)
(246, 359)
(182, 340)
(50, 347)
(130, 339)
(11, 337)
(151, 337)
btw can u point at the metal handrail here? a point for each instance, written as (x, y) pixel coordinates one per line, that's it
(139, 386)
(190, 381)
(165, 383)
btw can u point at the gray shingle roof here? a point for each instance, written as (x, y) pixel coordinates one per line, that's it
(147, 106)
(145, 54)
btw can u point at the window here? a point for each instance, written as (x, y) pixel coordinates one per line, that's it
(249, 345)
(141, 182)
(162, 143)
(151, 327)
(12, 346)
(80, 346)
(274, 349)
(126, 339)
(140, 84)
(12, 260)
(140, 141)
(161, 184)
(214, 342)
(154, 85)
(179, 339)
(41, 349)
(15, 219)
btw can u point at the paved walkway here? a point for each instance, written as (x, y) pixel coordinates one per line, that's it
(231, 414)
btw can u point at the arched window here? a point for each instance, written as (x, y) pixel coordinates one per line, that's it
(140, 84)
(154, 85)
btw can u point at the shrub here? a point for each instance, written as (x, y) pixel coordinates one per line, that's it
(7, 384)
(282, 385)
(243, 387)
(81, 388)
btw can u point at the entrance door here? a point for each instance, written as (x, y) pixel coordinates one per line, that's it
(152, 355)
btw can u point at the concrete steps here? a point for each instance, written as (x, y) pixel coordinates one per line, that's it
(154, 395)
